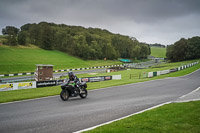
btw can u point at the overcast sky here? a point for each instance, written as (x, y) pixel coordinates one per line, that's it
(150, 21)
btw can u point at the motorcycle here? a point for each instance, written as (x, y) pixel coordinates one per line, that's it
(71, 90)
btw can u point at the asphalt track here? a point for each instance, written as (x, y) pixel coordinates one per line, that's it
(53, 115)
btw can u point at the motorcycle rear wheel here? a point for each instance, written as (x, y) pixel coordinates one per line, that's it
(64, 95)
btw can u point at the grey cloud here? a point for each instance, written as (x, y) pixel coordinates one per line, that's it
(161, 21)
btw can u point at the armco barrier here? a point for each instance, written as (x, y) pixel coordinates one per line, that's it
(36, 84)
(150, 74)
(158, 73)
(164, 72)
(173, 70)
(75, 69)
(117, 77)
(154, 73)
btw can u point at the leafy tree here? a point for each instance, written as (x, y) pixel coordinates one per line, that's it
(193, 46)
(21, 38)
(46, 37)
(62, 41)
(144, 52)
(80, 46)
(12, 32)
(34, 34)
(95, 51)
(180, 49)
(110, 52)
(184, 49)
(136, 52)
(170, 51)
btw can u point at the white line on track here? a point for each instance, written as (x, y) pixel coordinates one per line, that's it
(197, 99)
(91, 128)
(87, 129)
(190, 73)
(190, 92)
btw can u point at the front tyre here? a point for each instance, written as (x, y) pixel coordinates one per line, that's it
(64, 95)
(84, 93)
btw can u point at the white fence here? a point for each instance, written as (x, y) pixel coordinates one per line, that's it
(158, 73)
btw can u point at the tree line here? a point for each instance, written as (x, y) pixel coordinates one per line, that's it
(184, 49)
(157, 45)
(86, 43)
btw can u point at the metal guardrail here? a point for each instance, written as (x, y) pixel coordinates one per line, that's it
(75, 69)
(36, 84)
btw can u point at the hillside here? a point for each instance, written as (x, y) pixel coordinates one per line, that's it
(85, 43)
(23, 59)
(158, 52)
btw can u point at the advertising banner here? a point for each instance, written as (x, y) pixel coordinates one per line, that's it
(95, 79)
(108, 77)
(84, 79)
(16, 86)
(26, 85)
(59, 82)
(45, 83)
(6, 87)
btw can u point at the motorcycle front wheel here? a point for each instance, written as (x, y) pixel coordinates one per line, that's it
(84, 93)
(64, 95)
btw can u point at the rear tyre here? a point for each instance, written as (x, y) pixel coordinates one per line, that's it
(64, 95)
(84, 93)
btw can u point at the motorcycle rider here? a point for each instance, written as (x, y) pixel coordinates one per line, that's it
(73, 77)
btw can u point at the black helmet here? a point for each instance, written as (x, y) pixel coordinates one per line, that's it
(70, 74)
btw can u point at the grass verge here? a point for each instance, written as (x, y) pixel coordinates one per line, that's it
(16, 95)
(171, 118)
(20, 59)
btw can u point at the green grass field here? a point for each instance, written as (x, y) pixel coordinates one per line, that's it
(158, 52)
(15, 95)
(23, 59)
(171, 118)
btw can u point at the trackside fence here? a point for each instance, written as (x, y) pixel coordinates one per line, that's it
(158, 73)
(37, 84)
(65, 70)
